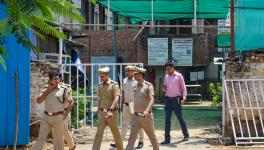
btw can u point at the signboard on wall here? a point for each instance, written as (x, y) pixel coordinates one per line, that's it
(193, 76)
(157, 51)
(200, 75)
(222, 26)
(182, 51)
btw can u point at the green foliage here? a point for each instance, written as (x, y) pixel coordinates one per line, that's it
(23, 15)
(215, 91)
(93, 2)
(2, 52)
(81, 106)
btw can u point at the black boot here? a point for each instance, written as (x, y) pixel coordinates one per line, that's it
(140, 145)
(113, 145)
(186, 138)
(165, 142)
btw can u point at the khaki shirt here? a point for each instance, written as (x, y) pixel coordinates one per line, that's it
(53, 101)
(107, 92)
(142, 92)
(128, 88)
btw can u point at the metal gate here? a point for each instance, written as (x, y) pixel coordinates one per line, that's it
(84, 81)
(245, 100)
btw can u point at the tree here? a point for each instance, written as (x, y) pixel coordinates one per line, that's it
(25, 16)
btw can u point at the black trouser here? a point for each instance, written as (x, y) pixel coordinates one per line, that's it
(174, 104)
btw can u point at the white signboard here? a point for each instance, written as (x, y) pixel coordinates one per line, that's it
(200, 75)
(193, 76)
(157, 51)
(222, 28)
(182, 51)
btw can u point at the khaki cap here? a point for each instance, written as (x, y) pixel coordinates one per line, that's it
(140, 70)
(130, 68)
(104, 70)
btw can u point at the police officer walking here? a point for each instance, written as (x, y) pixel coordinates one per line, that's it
(54, 115)
(128, 105)
(175, 89)
(143, 117)
(108, 95)
(67, 134)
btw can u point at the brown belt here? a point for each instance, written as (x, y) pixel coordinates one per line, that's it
(141, 114)
(53, 113)
(106, 110)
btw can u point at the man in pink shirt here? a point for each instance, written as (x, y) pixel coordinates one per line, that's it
(175, 89)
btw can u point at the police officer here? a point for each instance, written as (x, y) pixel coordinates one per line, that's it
(108, 95)
(54, 97)
(67, 133)
(143, 117)
(128, 105)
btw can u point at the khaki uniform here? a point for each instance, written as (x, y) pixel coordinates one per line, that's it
(67, 134)
(106, 93)
(142, 92)
(53, 103)
(128, 88)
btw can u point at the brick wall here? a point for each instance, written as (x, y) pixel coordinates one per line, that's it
(38, 81)
(102, 44)
(250, 70)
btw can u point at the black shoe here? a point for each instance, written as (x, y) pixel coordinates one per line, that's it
(186, 138)
(165, 142)
(113, 145)
(140, 145)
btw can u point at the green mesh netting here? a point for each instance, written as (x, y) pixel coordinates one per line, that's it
(249, 24)
(140, 10)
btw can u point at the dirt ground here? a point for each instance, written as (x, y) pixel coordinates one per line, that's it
(200, 139)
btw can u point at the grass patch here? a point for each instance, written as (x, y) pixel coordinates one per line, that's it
(194, 116)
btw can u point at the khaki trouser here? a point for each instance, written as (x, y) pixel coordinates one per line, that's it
(146, 123)
(127, 121)
(112, 123)
(67, 135)
(55, 124)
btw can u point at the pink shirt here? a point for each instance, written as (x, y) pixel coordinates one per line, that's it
(175, 85)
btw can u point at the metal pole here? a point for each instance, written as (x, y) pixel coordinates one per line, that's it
(237, 110)
(85, 95)
(108, 10)
(195, 16)
(108, 14)
(243, 105)
(251, 109)
(114, 33)
(17, 114)
(232, 20)
(257, 102)
(60, 44)
(145, 25)
(152, 12)
(230, 109)
(121, 96)
(223, 101)
(77, 85)
(92, 86)
(126, 44)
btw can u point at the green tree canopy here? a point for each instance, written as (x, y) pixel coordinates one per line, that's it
(23, 15)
